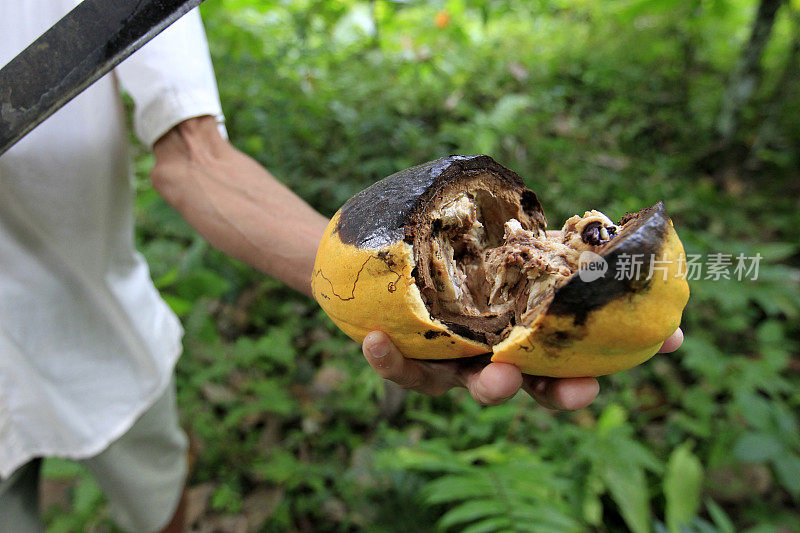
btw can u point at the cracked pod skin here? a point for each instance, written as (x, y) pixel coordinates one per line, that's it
(365, 279)
(608, 325)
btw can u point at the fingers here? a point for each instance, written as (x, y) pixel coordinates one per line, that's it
(493, 384)
(566, 394)
(672, 343)
(390, 364)
(576, 393)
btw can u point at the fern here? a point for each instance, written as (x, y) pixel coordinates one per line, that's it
(618, 463)
(498, 487)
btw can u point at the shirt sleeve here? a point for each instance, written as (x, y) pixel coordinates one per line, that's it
(171, 79)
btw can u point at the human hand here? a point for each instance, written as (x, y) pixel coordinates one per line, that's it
(488, 383)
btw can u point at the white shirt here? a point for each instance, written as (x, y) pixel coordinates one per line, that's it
(86, 343)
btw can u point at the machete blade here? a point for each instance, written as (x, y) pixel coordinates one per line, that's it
(75, 52)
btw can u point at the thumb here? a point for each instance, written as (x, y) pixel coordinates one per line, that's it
(389, 363)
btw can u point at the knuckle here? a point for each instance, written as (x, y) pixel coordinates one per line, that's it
(410, 380)
(477, 396)
(439, 390)
(489, 402)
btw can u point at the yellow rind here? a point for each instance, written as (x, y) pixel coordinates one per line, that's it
(373, 289)
(619, 335)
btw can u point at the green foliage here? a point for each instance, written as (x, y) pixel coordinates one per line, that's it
(607, 105)
(497, 487)
(683, 484)
(618, 463)
(86, 501)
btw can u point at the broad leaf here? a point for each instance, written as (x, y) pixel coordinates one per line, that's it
(757, 447)
(683, 483)
(627, 486)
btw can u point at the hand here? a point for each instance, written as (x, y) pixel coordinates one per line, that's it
(489, 384)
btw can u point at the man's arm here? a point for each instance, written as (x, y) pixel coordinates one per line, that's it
(236, 204)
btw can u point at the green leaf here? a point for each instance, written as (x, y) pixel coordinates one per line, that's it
(457, 487)
(167, 279)
(721, 520)
(281, 467)
(613, 416)
(57, 468)
(787, 466)
(757, 411)
(433, 456)
(544, 516)
(628, 488)
(631, 451)
(682, 487)
(467, 512)
(201, 283)
(87, 496)
(757, 447)
(179, 306)
(490, 525)
(775, 251)
(226, 498)
(592, 507)
(273, 397)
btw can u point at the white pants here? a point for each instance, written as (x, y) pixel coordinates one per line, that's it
(142, 474)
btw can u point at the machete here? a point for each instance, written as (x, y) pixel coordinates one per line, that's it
(75, 52)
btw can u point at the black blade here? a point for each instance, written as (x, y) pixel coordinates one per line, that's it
(89, 41)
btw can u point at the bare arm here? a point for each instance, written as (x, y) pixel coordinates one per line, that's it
(236, 204)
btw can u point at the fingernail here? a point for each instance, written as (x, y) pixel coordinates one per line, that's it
(379, 349)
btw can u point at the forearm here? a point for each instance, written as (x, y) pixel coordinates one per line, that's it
(237, 205)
